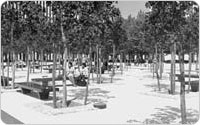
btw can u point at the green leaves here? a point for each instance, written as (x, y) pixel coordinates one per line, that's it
(170, 17)
(37, 23)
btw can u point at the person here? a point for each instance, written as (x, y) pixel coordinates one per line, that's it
(84, 70)
(70, 73)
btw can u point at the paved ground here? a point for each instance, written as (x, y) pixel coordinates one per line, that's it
(131, 98)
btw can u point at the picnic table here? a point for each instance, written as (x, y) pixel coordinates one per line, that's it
(38, 85)
(46, 80)
(41, 89)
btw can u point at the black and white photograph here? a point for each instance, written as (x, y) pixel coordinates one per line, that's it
(99, 62)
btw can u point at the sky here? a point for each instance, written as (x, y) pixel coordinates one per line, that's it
(131, 7)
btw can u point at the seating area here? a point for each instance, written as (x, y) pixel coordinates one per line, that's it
(41, 89)
(194, 83)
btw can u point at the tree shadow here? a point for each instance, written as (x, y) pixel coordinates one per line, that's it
(94, 94)
(170, 115)
(164, 88)
(150, 76)
(69, 103)
(106, 80)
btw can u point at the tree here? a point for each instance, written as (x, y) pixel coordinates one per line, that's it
(169, 18)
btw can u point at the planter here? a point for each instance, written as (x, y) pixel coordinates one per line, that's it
(6, 82)
(100, 105)
(194, 86)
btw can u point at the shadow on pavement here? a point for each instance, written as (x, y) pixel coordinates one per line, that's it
(169, 115)
(8, 119)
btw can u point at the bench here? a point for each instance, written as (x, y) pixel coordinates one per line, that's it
(194, 84)
(40, 89)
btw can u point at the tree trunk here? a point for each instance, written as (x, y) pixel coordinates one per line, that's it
(53, 77)
(64, 102)
(41, 61)
(189, 70)
(121, 66)
(182, 91)
(33, 61)
(59, 60)
(93, 68)
(79, 61)
(21, 58)
(162, 57)
(8, 66)
(28, 63)
(157, 67)
(30, 60)
(160, 64)
(100, 65)
(173, 59)
(2, 64)
(88, 81)
(153, 66)
(197, 60)
(13, 70)
(113, 68)
(97, 68)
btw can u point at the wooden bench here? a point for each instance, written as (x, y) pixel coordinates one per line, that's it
(186, 75)
(40, 89)
(194, 84)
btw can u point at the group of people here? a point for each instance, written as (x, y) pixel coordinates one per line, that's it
(74, 73)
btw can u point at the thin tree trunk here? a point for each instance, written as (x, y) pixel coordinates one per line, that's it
(197, 60)
(8, 66)
(97, 68)
(59, 60)
(153, 66)
(33, 61)
(93, 68)
(189, 73)
(28, 64)
(121, 66)
(113, 68)
(182, 91)
(30, 60)
(79, 61)
(64, 102)
(156, 68)
(88, 81)
(162, 58)
(160, 64)
(21, 55)
(13, 70)
(41, 59)
(173, 59)
(53, 77)
(100, 65)
(2, 64)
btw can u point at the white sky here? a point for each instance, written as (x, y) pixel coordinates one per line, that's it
(131, 7)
